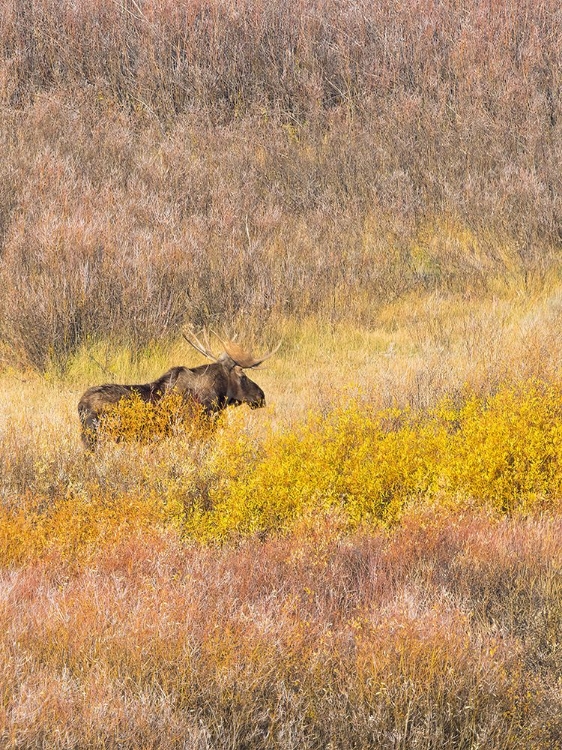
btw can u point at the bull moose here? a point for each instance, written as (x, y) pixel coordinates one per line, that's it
(214, 386)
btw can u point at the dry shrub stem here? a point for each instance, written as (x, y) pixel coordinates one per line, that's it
(225, 161)
(380, 182)
(444, 635)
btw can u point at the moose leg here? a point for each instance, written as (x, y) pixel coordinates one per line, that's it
(89, 433)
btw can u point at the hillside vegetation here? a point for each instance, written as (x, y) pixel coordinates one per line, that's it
(242, 162)
(374, 559)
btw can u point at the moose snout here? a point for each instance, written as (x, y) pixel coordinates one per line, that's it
(259, 399)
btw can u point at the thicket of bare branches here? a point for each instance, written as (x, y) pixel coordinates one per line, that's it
(201, 160)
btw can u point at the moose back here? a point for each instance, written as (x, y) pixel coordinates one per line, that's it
(214, 386)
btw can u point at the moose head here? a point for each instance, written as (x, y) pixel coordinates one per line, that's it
(214, 386)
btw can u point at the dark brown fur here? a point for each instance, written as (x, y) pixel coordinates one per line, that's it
(214, 386)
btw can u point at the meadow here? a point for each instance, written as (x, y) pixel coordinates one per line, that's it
(332, 570)
(374, 559)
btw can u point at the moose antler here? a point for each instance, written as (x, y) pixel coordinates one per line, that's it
(233, 349)
(205, 348)
(243, 358)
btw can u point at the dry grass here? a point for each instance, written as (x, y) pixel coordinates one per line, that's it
(120, 631)
(241, 164)
(444, 635)
(373, 560)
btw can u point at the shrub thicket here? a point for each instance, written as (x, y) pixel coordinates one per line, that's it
(217, 483)
(240, 161)
(443, 635)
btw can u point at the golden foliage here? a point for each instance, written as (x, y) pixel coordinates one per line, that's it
(355, 465)
(117, 621)
(143, 421)
(502, 453)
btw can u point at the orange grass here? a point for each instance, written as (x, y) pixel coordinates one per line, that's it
(445, 634)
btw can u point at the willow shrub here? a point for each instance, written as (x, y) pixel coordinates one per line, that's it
(352, 467)
(503, 453)
(133, 419)
(507, 452)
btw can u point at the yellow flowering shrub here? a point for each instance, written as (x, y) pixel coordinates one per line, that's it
(347, 462)
(507, 451)
(135, 419)
(503, 452)
(354, 465)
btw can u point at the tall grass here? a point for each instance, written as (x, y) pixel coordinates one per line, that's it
(321, 621)
(373, 560)
(444, 635)
(238, 163)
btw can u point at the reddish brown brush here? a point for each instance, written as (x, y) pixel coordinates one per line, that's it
(444, 635)
(264, 160)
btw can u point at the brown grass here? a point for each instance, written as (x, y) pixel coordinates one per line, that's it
(399, 642)
(379, 185)
(240, 163)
